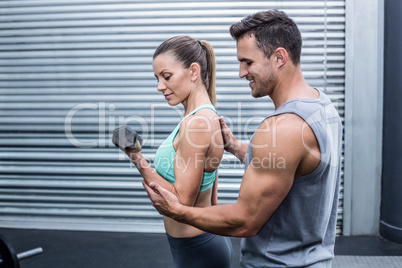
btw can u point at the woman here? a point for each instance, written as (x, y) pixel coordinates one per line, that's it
(186, 162)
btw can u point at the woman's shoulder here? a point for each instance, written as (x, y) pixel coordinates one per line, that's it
(202, 119)
(200, 130)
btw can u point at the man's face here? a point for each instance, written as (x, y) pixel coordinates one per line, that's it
(255, 67)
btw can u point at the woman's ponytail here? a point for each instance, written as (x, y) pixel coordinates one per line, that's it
(211, 70)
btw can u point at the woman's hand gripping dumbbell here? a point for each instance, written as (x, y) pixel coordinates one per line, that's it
(127, 140)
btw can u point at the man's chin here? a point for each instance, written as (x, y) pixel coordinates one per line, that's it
(256, 94)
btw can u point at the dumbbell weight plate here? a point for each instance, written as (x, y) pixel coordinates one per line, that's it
(126, 138)
(8, 255)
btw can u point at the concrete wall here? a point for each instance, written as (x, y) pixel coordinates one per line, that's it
(363, 116)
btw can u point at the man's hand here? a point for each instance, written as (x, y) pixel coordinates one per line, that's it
(231, 144)
(165, 202)
(227, 135)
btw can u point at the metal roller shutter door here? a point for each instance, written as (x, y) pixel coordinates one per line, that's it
(72, 71)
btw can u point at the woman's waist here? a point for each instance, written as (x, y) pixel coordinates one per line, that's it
(177, 229)
(180, 230)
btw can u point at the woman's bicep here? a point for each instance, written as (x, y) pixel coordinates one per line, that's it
(188, 172)
(189, 163)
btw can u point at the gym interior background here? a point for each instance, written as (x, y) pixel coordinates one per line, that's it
(72, 71)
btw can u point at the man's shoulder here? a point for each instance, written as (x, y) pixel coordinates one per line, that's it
(280, 134)
(281, 122)
(286, 135)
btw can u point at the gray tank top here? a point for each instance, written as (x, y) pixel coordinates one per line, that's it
(302, 230)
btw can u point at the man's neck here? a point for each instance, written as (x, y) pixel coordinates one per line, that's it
(292, 85)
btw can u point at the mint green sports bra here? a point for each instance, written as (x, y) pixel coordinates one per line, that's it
(164, 157)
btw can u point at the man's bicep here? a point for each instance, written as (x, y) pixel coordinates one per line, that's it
(261, 193)
(271, 172)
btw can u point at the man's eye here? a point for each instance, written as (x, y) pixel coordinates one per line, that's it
(249, 63)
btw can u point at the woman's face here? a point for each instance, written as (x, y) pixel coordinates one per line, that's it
(174, 81)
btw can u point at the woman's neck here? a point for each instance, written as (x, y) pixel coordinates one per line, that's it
(195, 99)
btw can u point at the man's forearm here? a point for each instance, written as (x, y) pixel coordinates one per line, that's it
(221, 220)
(238, 149)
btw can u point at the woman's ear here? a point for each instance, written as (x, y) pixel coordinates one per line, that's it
(195, 71)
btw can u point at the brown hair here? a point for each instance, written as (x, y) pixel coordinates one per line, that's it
(187, 51)
(271, 29)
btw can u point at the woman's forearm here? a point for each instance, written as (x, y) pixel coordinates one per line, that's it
(147, 172)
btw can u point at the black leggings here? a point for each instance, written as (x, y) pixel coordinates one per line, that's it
(202, 251)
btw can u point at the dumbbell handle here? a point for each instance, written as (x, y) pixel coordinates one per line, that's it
(29, 253)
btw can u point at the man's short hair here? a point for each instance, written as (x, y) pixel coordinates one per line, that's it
(271, 29)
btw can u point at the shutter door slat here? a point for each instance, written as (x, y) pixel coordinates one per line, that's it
(71, 72)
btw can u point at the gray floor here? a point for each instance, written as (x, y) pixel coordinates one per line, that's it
(367, 252)
(367, 262)
(64, 249)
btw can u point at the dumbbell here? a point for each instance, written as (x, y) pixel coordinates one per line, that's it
(9, 258)
(126, 138)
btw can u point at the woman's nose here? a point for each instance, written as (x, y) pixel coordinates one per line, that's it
(161, 86)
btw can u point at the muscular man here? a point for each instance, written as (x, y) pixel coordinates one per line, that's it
(286, 212)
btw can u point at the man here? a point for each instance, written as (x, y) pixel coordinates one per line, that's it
(287, 211)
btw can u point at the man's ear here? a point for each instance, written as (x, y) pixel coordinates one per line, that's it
(195, 71)
(281, 56)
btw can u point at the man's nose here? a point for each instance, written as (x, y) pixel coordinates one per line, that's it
(242, 70)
